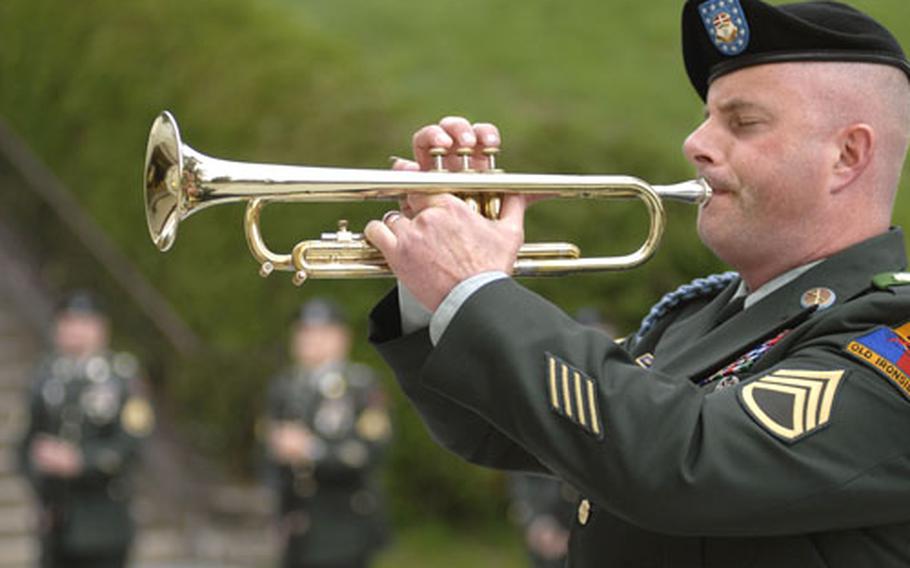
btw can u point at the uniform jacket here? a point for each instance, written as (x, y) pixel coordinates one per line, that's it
(95, 405)
(801, 461)
(330, 506)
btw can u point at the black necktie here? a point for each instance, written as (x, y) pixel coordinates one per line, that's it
(731, 309)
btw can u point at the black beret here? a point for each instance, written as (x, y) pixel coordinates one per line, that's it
(319, 311)
(720, 36)
(81, 302)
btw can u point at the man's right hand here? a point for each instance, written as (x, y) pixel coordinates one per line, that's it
(451, 133)
(438, 241)
(291, 443)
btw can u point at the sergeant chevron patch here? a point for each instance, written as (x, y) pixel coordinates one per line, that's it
(791, 404)
(573, 395)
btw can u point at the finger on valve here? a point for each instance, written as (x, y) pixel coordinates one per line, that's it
(425, 140)
(487, 148)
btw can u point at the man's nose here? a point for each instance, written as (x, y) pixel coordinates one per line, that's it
(698, 148)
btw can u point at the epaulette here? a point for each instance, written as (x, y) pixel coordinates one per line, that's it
(888, 280)
(698, 288)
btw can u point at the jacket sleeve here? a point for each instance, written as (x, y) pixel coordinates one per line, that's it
(658, 451)
(452, 425)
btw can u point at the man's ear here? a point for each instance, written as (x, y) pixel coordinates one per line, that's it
(856, 144)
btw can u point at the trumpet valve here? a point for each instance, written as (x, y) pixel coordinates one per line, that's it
(266, 269)
(299, 278)
(473, 203)
(492, 206)
(438, 154)
(343, 234)
(491, 154)
(465, 155)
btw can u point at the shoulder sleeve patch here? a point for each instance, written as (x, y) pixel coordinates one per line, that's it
(791, 404)
(573, 395)
(887, 350)
(137, 417)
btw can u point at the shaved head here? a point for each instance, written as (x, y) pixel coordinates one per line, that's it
(840, 96)
(861, 93)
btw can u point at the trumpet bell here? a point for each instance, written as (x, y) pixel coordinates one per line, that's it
(165, 203)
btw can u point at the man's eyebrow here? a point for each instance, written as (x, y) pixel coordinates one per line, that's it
(736, 105)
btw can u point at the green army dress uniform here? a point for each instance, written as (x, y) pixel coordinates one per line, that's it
(330, 508)
(95, 405)
(799, 458)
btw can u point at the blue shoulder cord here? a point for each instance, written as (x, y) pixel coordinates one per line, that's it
(698, 288)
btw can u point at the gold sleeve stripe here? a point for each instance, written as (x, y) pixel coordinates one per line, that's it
(592, 406)
(554, 397)
(572, 395)
(823, 375)
(828, 398)
(832, 380)
(567, 401)
(579, 403)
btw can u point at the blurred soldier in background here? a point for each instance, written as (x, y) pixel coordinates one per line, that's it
(544, 507)
(326, 430)
(87, 418)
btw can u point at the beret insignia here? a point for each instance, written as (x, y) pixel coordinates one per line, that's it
(573, 395)
(726, 25)
(791, 404)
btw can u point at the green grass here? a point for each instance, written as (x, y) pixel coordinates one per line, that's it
(439, 546)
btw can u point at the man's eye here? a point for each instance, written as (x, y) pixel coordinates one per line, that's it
(745, 122)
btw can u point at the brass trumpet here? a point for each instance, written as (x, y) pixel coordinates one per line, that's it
(180, 181)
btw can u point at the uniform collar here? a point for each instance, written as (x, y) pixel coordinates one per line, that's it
(775, 283)
(846, 274)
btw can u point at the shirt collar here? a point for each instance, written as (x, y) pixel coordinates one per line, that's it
(772, 285)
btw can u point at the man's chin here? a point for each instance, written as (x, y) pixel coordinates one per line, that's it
(715, 232)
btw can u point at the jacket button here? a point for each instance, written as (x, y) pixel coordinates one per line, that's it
(584, 512)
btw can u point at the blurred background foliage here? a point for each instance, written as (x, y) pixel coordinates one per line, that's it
(576, 87)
